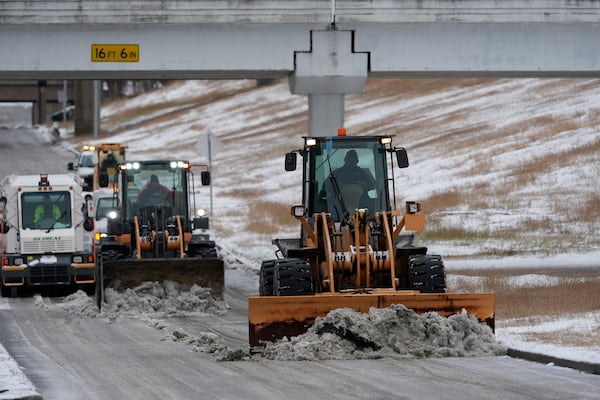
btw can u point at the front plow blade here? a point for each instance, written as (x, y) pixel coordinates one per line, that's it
(272, 317)
(207, 272)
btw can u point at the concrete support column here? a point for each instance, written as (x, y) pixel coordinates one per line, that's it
(84, 107)
(41, 103)
(325, 114)
(325, 74)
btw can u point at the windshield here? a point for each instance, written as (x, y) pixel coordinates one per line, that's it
(87, 161)
(46, 210)
(156, 184)
(348, 175)
(105, 204)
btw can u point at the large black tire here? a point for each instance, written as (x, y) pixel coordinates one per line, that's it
(206, 252)
(426, 273)
(99, 284)
(9, 291)
(292, 277)
(265, 279)
(111, 255)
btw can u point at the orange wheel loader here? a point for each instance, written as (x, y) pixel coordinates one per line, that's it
(355, 248)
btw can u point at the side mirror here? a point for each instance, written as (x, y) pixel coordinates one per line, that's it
(205, 178)
(290, 161)
(70, 166)
(88, 224)
(103, 180)
(401, 157)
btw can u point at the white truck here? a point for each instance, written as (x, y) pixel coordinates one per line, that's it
(47, 233)
(85, 167)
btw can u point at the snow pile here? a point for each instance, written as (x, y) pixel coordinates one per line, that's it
(167, 298)
(203, 342)
(150, 298)
(393, 332)
(149, 302)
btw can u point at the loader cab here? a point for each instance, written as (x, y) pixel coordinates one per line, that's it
(150, 184)
(343, 173)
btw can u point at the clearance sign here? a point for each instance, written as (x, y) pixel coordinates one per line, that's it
(115, 52)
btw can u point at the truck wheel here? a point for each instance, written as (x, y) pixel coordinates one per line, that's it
(426, 273)
(292, 277)
(265, 279)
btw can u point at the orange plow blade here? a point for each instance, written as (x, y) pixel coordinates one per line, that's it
(274, 317)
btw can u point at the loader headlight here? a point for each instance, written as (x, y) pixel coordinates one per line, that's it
(311, 142)
(298, 211)
(201, 212)
(413, 207)
(18, 261)
(179, 164)
(131, 165)
(100, 235)
(112, 214)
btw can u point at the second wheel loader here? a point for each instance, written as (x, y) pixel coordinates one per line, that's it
(152, 234)
(355, 248)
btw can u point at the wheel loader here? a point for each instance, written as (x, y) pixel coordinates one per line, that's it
(151, 234)
(356, 248)
(96, 159)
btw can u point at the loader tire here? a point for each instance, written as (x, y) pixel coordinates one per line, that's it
(265, 280)
(112, 255)
(206, 253)
(292, 277)
(426, 273)
(8, 291)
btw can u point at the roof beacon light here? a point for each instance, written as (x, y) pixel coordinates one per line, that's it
(341, 131)
(43, 180)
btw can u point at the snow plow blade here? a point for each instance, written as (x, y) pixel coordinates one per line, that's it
(123, 274)
(274, 317)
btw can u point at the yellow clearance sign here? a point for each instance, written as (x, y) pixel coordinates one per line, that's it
(115, 53)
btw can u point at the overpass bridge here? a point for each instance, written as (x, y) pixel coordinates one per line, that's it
(326, 49)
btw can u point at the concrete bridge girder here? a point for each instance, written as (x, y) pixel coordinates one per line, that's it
(274, 39)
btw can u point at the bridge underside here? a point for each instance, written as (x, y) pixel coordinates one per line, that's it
(325, 52)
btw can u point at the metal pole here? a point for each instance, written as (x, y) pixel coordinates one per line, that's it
(210, 170)
(96, 109)
(64, 101)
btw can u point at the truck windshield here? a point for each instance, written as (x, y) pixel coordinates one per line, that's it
(46, 210)
(87, 161)
(348, 175)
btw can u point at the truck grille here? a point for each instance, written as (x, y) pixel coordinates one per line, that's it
(47, 246)
(49, 274)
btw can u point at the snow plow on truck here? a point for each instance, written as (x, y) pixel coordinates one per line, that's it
(152, 234)
(355, 248)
